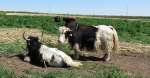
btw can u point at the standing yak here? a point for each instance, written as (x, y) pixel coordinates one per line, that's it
(81, 36)
(97, 38)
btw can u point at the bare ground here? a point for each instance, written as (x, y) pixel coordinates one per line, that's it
(131, 63)
(132, 58)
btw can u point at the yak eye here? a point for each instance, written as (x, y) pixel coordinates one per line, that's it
(70, 35)
(28, 43)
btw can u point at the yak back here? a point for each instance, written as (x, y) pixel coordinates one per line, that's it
(85, 36)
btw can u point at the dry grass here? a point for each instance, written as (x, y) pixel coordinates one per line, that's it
(134, 48)
(10, 35)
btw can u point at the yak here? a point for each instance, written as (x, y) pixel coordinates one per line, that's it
(101, 37)
(38, 52)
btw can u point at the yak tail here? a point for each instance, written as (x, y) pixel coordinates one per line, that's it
(68, 60)
(115, 41)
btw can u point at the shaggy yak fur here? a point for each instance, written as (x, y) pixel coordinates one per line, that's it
(97, 38)
(36, 52)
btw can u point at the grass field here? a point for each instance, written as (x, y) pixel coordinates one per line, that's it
(129, 31)
(136, 31)
(100, 71)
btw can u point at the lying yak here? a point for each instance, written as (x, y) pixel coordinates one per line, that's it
(38, 52)
(97, 38)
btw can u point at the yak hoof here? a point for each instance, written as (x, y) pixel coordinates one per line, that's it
(106, 58)
(76, 57)
(27, 59)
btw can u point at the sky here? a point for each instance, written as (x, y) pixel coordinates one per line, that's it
(87, 7)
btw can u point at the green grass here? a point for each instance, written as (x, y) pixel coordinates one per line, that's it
(130, 31)
(11, 48)
(136, 31)
(88, 71)
(41, 22)
(18, 47)
(2, 13)
(71, 74)
(6, 73)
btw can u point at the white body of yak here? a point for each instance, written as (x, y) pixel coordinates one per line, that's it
(55, 57)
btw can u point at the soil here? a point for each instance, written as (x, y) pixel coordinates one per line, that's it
(129, 62)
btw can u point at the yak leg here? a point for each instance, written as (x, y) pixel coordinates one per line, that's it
(106, 56)
(27, 59)
(76, 51)
(107, 51)
(45, 65)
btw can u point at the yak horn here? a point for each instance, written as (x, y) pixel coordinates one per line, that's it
(41, 38)
(24, 37)
(42, 34)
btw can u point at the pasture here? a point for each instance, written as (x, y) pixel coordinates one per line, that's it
(132, 61)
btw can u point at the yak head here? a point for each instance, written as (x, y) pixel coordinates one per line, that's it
(65, 35)
(33, 43)
(33, 48)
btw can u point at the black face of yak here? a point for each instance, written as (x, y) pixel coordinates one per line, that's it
(33, 43)
(68, 34)
(70, 37)
(33, 46)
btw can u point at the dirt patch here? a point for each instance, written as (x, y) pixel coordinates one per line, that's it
(20, 67)
(132, 64)
(133, 58)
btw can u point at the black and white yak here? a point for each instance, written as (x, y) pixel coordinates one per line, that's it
(37, 52)
(97, 38)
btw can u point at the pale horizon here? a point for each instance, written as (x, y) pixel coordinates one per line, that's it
(93, 7)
